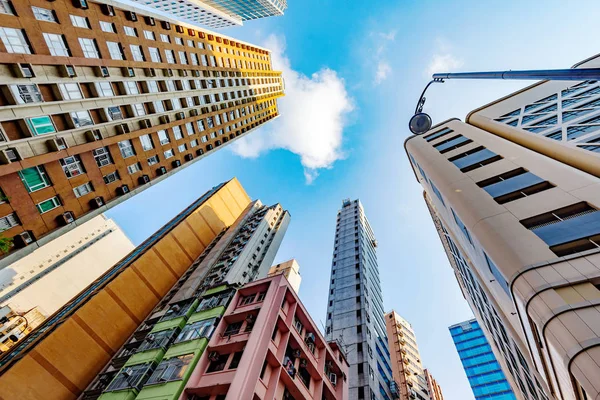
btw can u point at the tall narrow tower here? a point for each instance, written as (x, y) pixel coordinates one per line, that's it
(355, 309)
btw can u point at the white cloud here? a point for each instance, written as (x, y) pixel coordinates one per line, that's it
(383, 70)
(312, 117)
(443, 63)
(391, 35)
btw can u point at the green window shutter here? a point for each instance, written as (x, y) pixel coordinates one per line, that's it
(34, 179)
(47, 205)
(41, 125)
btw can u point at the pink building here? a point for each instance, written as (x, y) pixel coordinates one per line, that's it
(267, 347)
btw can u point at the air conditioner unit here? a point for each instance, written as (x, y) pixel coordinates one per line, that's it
(167, 72)
(131, 16)
(23, 71)
(176, 163)
(151, 72)
(122, 129)
(57, 144)
(23, 239)
(161, 170)
(180, 115)
(66, 218)
(97, 202)
(310, 337)
(81, 4)
(67, 71)
(166, 25)
(123, 189)
(150, 21)
(128, 72)
(179, 28)
(102, 71)
(143, 179)
(145, 124)
(164, 119)
(333, 378)
(9, 155)
(107, 10)
(188, 157)
(93, 135)
(213, 356)
(199, 152)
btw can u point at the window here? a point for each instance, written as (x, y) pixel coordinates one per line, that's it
(165, 38)
(137, 52)
(70, 91)
(8, 222)
(153, 160)
(146, 141)
(34, 178)
(80, 22)
(149, 35)
(89, 48)
(138, 109)
(298, 325)
(181, 148)
(26, 94)
(154, 54)
(112, 177)
(82, 118)
(163, 137)
(177, 132)
(245, 300)
(496, 273)
(235, 360)
(56, 44)
(475, 158)
(43, 14)
(129, 377)
(513, 185)
(218, 364)
(197, 330)
(204, 139)
(126, 148)
(115, 50)
(104, 89)
(168, 153)
(438, 134)
(129, 31)
(6, 7)
(189, 127)
(72, 166)
(15, 40)
(170, 56)
(114, 113)
(183, 58)
(84, 189)
(108, 27)
(131, 87)
(102, 157)
(462, 226)
(171, 369)
(48, 205)
(194, 143)
(152, 87)
(133, 168)
(40, 125)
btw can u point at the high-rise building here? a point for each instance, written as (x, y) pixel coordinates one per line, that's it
(56, 272)
(483, 371)
(407, 368)
(291, 270)
(435, 391)
(516, 207)
(355, 308)
(17, 324)
(222, 234)
(100, 100)
(218, 13)
(228, 343)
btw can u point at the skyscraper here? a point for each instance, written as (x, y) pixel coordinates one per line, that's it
(483, 371)
(514, 197)
(291, 270)
(221, 237)
(407, 367)
(100, 100)
(435, 391)
(355, 309)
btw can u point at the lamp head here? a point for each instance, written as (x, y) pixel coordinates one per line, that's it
(420, 123)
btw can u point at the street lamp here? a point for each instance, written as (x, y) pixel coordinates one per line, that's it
(421, 122)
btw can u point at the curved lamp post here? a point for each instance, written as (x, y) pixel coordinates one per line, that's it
(421, 122)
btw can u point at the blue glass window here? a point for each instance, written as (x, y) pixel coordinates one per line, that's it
(437, 192)
(513, 184)
(452, 143)
(499, 277)
(462, 227)
(569, 230)
(474, 159)
(438, 134)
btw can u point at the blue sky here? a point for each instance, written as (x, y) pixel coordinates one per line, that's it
(354, 70)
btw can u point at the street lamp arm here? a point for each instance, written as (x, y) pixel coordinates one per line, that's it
(422, 99)
(573, 74)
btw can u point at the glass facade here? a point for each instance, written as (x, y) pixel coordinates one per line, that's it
(355, 313)
(483, 371)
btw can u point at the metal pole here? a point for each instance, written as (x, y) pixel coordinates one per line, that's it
(573, 74)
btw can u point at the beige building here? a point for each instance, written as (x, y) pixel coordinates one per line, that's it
(409, 374)
(51, 275)
(15, 325)
(291, 270)
(435, 391)
(514, 194)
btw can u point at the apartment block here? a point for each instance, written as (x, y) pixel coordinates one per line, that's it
(355, 309)
(17, 324)
(519, 225)
(483, 371)
(93, 326)
(291, 270)
(101, 99)
(435, 391)
(409, 376)
(55, 273)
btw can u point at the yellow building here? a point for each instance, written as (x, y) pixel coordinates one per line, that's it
(515, 196)
(60, 358)
(291, 270)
